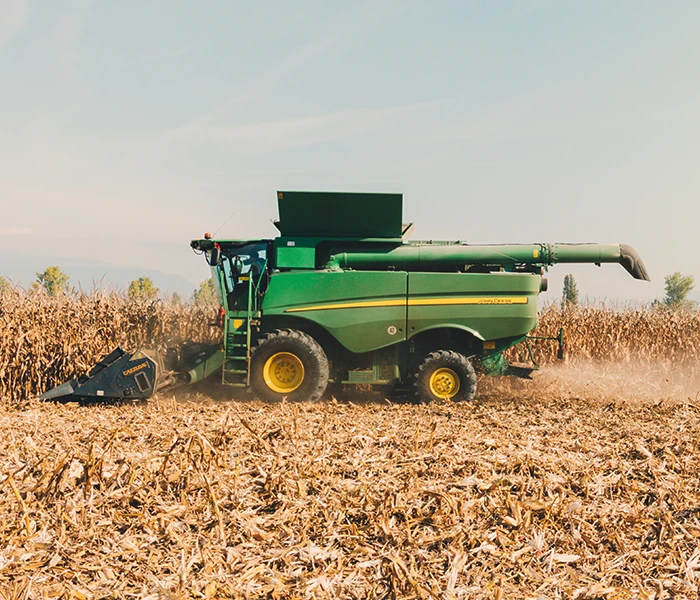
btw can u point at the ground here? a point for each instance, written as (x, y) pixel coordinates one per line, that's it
(531, 491)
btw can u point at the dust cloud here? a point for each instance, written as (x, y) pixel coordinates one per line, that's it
(645, 382)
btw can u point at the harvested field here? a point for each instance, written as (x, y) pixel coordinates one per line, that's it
(530, 492)
(580, 484)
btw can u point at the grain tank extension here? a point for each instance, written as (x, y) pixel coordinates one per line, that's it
(341, 296)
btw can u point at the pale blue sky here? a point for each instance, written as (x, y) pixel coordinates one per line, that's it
(130, 127)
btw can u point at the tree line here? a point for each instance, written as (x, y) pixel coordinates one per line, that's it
(53, 281)
(677, 288)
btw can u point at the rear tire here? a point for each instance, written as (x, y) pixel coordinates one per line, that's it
(444, 375)
(288, 364)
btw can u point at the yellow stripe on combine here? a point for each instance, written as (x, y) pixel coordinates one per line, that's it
(366, 304)
(497, 300)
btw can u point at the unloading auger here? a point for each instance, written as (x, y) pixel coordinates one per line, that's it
(341, 296)
(491, 257)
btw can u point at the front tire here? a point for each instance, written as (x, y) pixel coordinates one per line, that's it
(445, 375)
(288, 364)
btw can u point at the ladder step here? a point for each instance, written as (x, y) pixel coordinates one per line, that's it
(236, 357)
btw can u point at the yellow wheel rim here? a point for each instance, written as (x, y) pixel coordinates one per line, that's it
(444, 383)
(283, 372)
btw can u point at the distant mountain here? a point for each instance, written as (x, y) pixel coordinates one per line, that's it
(86, 274)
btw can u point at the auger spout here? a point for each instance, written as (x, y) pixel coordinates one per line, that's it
(623, 254)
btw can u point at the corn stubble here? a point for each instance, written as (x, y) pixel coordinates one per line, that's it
(525, 498)
(529, 492)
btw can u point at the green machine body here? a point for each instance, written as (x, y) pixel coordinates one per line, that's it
(341, 296)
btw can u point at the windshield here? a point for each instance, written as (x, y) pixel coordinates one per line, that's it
(253, 257)
(245, 261)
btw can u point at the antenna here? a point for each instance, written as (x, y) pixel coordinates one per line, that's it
(224, 223)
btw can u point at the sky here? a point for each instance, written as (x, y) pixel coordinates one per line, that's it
(131, 127)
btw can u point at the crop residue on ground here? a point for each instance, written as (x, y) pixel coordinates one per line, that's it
(509, 497)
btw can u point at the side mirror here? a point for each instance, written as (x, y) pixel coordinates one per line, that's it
(214, 257)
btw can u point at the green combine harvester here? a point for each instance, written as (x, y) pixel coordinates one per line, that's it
(341, 296)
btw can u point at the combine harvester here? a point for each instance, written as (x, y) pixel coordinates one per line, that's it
(340, 296)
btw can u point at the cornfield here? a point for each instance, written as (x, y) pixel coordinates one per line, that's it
(49, 339)
(536, 490)
(626, 334)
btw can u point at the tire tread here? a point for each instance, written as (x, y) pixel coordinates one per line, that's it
(300, 341)
(447, 358)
